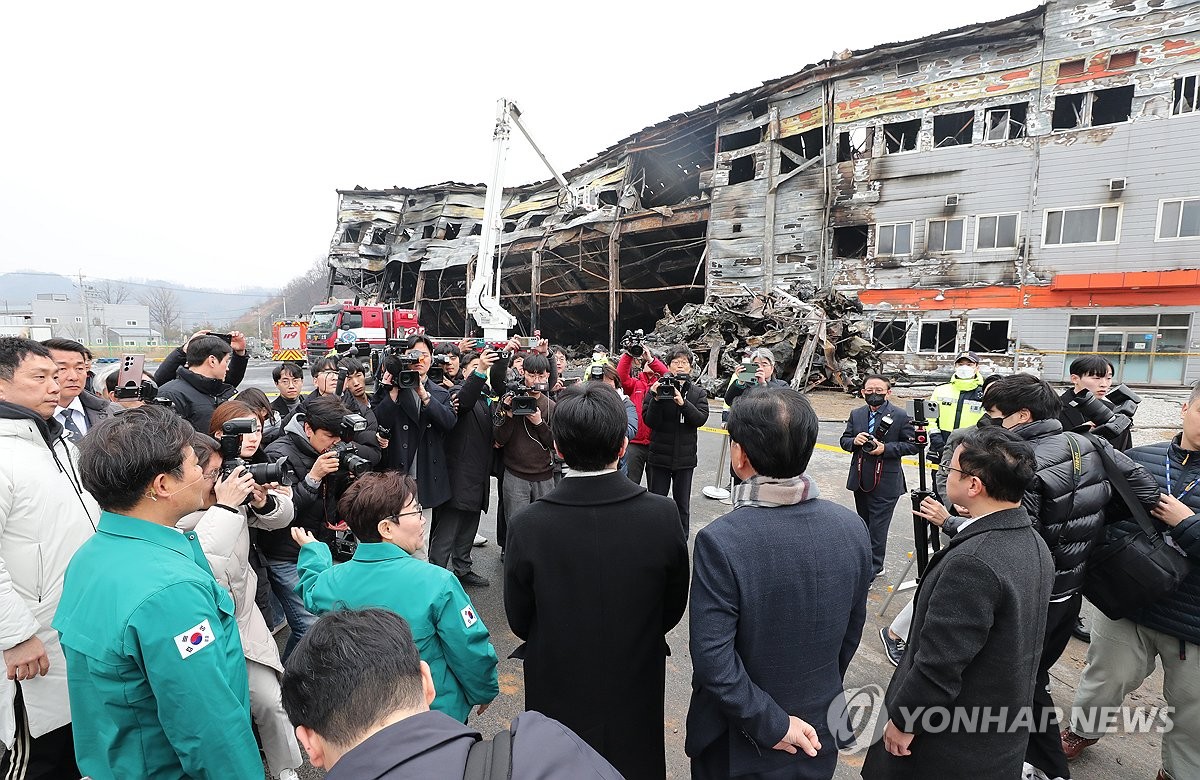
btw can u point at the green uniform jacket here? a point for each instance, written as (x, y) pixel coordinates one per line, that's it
(155, 668)
(449, 633)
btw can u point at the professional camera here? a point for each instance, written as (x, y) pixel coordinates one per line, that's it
(1107, 417)
(595, 372)
(633, 342)
(668, 385)
(231, 451)
(522, 402)
(881, 429)
(437, 368)
(399, 362)
(349, 461)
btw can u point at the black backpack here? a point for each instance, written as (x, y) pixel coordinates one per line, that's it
(490, 759)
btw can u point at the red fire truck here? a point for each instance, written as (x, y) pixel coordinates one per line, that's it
(342, 322)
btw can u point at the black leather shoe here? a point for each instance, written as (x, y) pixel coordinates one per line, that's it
(473, 579)
(893, 647)
(1080, 631)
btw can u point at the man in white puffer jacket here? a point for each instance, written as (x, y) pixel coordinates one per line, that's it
(45, 516)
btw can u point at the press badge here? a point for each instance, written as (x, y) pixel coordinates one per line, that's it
(468, 616)
(194, 639)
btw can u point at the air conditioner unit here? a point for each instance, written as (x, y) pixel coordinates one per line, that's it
(1116, 185)
(951, 200)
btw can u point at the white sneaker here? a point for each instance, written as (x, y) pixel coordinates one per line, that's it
(480, 541)
(289, 774)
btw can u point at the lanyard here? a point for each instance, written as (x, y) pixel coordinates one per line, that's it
(1186, 490)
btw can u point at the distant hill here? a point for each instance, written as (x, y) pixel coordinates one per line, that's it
(19, 288)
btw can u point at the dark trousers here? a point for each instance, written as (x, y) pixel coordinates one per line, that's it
(713, 764)
(48, 757)
(635, 461)
(501, 518)
(450, 538)
(876, 510)
(1045, 745)
(659, 480)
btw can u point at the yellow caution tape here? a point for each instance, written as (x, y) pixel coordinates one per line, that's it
(829, 447)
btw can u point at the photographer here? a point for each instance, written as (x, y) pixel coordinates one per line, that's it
(383, 511)
(878, 435)
(1093, 373)
(609, 376)
(198, 389)
(635, 384)
(418, 418)
(233, 506)
(452, 365)
(673, 409)
(469, 448)
(177, 359)
(308, 444)
(526, 438)
(764, 375)
(269, 421)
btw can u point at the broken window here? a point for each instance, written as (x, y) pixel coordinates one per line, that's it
(381, 235)
(452, 229)
(1071, 68)
(729, 143)
(890, 335)
(609, 197)
(1184, 95)
(807, 145)
(901, 136)
(1110, 106)
(988, 336)
(737, 227)
(1068, 112)
(945, 235)
(894, 239)
(1122, 60)
(1090, 225)
(535, 220)
(742, 169)
(954, 129)
(855, 144)
(996, 231)
(427, 231)
(939, 336)
(476, 229)
(1004, 123)
(1179, 219)
(908, 67)
(510, 226)
(850, 241)
(352, 234)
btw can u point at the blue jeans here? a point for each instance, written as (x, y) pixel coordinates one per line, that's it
(284, 579)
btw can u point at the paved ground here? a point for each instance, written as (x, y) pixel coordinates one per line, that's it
(1118, 756)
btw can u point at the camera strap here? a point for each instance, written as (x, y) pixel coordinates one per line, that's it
(1188, 489)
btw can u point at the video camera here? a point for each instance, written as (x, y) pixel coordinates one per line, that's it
(398, 362)
(349, 461)
(1109, 417)
(668, 385)
(231, 451)
(437, 368)
(634, 342)
(521, 402)
(595, 372)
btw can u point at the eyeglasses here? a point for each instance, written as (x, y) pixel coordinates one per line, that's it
(211, 476)
(960, 471)
(398, 515)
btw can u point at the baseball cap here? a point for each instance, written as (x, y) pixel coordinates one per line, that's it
(971, 356)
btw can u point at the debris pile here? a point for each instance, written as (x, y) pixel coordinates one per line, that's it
(823, 332)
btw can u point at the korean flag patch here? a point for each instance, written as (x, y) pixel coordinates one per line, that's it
(194, 640)
(468, 616)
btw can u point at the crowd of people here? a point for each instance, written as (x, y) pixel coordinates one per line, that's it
(135, 534)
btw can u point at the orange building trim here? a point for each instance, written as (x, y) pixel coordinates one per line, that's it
(1074, 291)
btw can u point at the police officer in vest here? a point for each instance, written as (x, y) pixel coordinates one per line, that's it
(959, 401)
(155, 670)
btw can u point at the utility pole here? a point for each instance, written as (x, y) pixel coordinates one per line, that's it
(87, 317)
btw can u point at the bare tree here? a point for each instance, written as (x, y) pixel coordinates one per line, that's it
(163, 306)
(109, 291)
(302, 292)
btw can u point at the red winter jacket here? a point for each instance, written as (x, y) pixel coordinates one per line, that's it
(635, 388)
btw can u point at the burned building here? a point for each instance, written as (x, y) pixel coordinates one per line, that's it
(1025, 188)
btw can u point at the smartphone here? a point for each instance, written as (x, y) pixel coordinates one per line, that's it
(747, 372)
(530, 342)
(226, 337)
(129, 376)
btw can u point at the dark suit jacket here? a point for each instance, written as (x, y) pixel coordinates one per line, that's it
(975, 641)
(421, 438)
(96, 409)
(777, 609)
(595, 573)
(897, 442)
(469, 447)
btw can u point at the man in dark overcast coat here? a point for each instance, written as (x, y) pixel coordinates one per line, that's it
(596, 573)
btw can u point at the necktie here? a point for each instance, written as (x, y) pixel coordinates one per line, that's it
(871, 423)
(68, 419)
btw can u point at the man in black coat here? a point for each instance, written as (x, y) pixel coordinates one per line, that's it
(977, 629)
(596, 573)
(470, 448)
(196, 391)
(177, 359)
(778, 604)
(879, 435)
(673, 421)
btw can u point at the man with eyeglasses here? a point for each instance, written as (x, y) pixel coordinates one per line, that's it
(289, 378)
(79, 409)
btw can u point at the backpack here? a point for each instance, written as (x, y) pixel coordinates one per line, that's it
(490, 759)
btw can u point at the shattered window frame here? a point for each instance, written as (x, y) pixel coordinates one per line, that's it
(952, 138)
(1057, 221)
(884, 332)
(975, 346)
(1013, 129)
(942, 345)
(1179, 90)
(900, 141)
(995, 232)
(945, 235)
(891, 228)
(1186, 217)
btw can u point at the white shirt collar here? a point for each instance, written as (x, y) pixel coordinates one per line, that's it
(574, 473)
(76, 406)
(968, 521)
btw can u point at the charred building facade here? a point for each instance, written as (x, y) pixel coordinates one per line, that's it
(1027, 188)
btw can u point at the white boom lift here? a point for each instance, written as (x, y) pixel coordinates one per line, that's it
(483, 299)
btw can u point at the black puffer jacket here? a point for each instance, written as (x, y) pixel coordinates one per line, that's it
(673, 427)
(1068, 509)
(1179, 613)
(195, 397)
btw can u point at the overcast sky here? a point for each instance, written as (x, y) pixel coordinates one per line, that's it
(203, 143)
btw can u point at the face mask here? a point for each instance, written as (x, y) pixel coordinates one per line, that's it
(874, 399)
(988, 422)
(964, 372)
